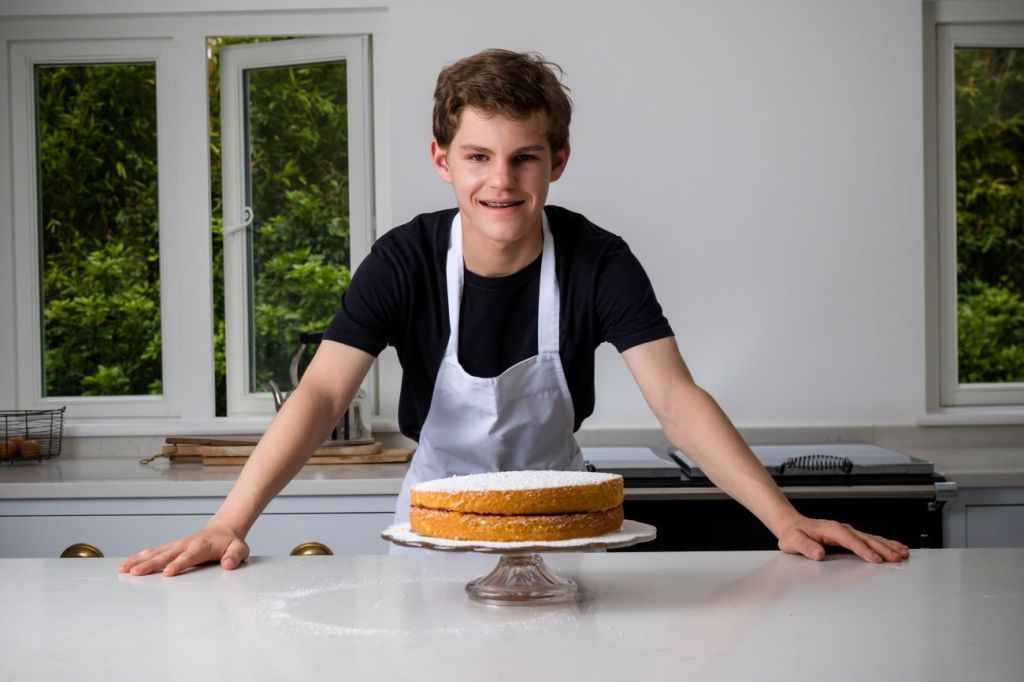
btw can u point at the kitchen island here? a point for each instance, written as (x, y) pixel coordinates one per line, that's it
(943, 615)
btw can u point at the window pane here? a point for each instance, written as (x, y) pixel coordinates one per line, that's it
(989, 87)
(97, 170)
(297, 187)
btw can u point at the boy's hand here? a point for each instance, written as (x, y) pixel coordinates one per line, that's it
(809, 537)
(213, 543)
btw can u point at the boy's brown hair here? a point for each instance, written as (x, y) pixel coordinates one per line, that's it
(513, 84)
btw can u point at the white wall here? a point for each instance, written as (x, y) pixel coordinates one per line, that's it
(764, 161)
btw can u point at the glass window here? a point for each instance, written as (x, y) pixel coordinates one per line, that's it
(297, 189)
(96, 137)
(293, 166)
(989, 87)
(125, 306)
(980, 214)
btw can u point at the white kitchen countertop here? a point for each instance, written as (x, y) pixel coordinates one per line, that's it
(113, 477)
(119, 477)
(976, 467)
(942, 615)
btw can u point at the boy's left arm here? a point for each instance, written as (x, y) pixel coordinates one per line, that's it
(695, 424)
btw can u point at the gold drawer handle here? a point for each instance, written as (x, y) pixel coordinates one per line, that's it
(81, 550)
(312, 549)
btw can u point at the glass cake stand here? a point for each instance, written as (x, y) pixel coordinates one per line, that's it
(521, 577)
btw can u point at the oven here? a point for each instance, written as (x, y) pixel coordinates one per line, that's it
(874, 489)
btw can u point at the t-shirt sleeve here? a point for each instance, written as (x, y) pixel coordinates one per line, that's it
(628, 310)
(366, 318)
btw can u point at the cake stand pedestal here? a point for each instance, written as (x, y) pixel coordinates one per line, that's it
(521, 577)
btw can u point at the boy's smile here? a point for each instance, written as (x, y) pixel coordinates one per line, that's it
(500, 170)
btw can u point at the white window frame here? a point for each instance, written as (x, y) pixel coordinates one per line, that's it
(185, 218)
(24, 58)
(950, 25)
(951, 37)
(235, 60)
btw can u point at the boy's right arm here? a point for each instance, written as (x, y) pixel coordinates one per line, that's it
(303, 423)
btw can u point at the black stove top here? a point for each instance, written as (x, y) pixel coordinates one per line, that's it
(827, 464)
(789, 465)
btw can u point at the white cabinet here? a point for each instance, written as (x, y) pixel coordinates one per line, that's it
(343, 533)
(986, 517)
(121, 527)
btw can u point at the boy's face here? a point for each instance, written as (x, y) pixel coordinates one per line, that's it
(500, 170)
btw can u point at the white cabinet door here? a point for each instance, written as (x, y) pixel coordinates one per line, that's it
(119, 536)
(985, 517)
(998, 525)
(115, 536)
(278, 534)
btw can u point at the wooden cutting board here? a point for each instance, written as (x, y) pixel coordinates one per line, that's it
(230, 451)
(209, 451)
(207, 440)
(385, 456)
(186, 449)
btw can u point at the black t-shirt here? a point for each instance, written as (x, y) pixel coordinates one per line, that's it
(398, 297)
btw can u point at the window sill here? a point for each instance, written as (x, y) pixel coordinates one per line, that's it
(973, 416)
(234, 426)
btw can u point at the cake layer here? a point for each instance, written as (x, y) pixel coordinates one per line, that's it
(513, 528)
(521, 492)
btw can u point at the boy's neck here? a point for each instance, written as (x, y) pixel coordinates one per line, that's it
(489, 258)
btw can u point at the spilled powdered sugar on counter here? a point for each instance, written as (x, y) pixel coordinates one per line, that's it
(325, 610)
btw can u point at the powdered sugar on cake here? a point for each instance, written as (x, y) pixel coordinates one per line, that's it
(514, 480)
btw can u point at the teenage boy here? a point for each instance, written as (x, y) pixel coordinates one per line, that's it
(495, 309)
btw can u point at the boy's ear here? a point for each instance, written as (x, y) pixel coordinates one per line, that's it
(558, 161)
(439, 157)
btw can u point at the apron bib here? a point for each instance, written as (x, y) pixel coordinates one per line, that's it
(522, 419)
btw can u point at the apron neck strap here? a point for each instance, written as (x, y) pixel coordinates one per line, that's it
(548, 301)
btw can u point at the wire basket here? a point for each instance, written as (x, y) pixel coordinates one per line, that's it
(30, 435)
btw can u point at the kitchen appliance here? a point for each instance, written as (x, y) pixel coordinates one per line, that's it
(874, 489)
(354, 425)
(828, 464)
(636, 465)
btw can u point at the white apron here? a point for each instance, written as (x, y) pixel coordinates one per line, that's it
(521, 419)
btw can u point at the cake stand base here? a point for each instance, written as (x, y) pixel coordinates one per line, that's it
(521, 580)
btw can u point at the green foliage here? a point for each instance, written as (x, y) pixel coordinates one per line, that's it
(990, 214)
(298, 141)
(100, 238)
(97, 181)
(991, 335)
(107, 325)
